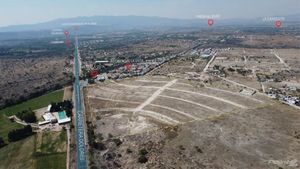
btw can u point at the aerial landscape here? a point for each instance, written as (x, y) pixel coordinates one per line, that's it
(106, 85)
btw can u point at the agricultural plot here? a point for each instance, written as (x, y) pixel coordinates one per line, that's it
(41, 151)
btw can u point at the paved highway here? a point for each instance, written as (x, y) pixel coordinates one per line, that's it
(81, 143)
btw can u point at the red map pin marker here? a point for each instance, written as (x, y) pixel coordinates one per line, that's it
(210, 22)
(68, 43)
(67, 33)
(278, 24)
(128, 66)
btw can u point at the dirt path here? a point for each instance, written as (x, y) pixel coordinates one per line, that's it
(279, 58)
(210, 96)
(175, 110)
(134, 86)
(68, 93)
(68, 146)
(155, 115)
(208, 64)
(152, 81)
(239, 84)
(113, 100)
(155, 95)
(191, 102)
(237, 94)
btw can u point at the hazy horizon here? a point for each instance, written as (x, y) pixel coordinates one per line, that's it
(16, 12)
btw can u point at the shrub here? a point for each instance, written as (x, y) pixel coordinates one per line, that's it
(27, 115)
(143, 152)
(142, 159)
(118, 142)
(128, 151)
(198, 149)
(99, 146)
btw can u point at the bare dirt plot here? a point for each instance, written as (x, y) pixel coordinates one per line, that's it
(268, 140)
(190, 127)
(255, 61)
(146, 83)
(273, 41)
(181, 66)
(173, 101)
(216, 104)
(68, 93)
(125, 124)
(101, 103)
(195, 112)
(233, 96)
(236, 142)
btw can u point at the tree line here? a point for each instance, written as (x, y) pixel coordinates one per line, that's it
(19, 134)
(66, 106)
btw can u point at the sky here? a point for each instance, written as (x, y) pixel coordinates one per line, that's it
(15, 12)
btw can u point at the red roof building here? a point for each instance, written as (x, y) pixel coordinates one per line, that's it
(94, 74)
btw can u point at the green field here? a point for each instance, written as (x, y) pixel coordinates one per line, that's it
(35, 103)
(53, 161)
(18, 154)
(6, 126)
(41, 151)
(51, 142)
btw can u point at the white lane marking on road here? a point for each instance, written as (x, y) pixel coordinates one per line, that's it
(213, 97)
(191, 102)
(155, 95)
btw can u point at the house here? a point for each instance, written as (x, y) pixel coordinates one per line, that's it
(62, 117)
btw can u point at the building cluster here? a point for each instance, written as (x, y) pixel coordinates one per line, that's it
(126, 68)
(284, 94)
(54, 117)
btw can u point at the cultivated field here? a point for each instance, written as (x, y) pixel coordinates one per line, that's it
(41, 151)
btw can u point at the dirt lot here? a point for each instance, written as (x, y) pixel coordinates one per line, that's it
(173, 123)
(273, 41)
(243, 65)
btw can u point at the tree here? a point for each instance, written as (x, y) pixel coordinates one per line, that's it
(27, 115)
(66, 105)
(19, 134)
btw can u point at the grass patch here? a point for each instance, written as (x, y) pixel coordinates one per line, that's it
(6, 126)
(35, 103)
(18, 154)
(51, 142)
(51, 150)
(53, 161)
(42, 151)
